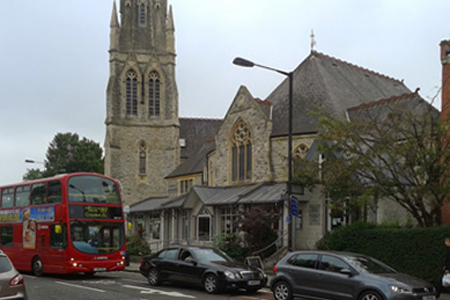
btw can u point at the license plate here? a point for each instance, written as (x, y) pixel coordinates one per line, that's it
(104, 269)
(429, 298)
(257, 282)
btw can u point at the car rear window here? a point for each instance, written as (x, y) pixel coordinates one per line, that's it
(5, 265)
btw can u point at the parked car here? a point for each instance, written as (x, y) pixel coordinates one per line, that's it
(339, 276)
(11, 282)
(207, 267)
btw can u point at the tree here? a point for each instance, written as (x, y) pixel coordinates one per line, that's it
(32, 174)
(257, 226)
(68, 153)
(397, 150)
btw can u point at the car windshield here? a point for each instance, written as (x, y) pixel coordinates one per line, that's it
(211, 255)
(97, 237)
(370, 265)
(93, 189)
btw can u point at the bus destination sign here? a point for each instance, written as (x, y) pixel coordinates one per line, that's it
(95, 212)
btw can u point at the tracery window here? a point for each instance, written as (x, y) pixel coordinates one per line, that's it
(154, 94)
(301, 151)
(131, 93)
(241, 151)
(142, 159)
(299, 155)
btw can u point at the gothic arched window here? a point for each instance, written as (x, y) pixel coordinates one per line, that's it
(301, 151)
(142, 159)
(241, 152)
(142, 14)
(131, 93)
(299, 155)
(154, 94)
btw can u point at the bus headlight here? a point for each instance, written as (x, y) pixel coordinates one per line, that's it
(74, 264)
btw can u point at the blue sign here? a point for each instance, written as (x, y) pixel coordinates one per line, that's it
(294, 206)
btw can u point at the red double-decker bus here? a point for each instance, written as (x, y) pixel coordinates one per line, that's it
(64, 224)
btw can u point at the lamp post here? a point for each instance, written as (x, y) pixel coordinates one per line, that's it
(246, 63)
(31, 161)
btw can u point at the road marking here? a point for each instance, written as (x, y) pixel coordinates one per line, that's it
(81, 287)
(134, 280)
(104, 282)
(152, 291)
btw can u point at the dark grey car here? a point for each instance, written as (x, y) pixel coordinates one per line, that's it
(343, 276)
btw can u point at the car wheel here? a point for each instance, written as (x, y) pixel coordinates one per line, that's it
(282, 291)
(37, 266)
(211, 284)
(370, 295)
(153, 277)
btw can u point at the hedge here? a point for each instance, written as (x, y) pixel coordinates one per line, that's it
(416, 251)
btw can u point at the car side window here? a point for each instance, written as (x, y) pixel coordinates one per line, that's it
(304, 260)
(185, 256)
(332, 264)
(169, 254)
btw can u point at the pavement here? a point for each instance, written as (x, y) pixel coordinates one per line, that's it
(134, 267)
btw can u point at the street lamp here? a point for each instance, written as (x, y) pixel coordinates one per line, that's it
(247, 63)
(30, 161)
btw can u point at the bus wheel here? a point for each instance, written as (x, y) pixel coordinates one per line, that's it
(37, 266)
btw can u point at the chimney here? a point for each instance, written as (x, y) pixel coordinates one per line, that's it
(445, 59)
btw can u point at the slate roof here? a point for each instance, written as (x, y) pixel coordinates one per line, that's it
(148, 204)
(214, 196)
(196, 163)
(196, 132)
(411, 102)
(333, 85)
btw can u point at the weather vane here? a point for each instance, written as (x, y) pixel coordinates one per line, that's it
(313, 40)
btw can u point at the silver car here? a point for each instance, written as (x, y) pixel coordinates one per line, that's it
(343, 276)
(12, 284)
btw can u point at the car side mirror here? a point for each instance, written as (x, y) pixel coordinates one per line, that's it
(346, 272)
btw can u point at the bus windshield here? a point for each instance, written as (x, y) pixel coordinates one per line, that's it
(97, 237)
(93, 189)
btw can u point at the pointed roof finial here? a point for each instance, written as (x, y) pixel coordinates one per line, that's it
(114, 19)
(313, 40)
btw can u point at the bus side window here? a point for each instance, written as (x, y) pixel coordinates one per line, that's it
(6, 238)
(8, 197)
(38, 193)
(23, 195)
(58, 236)
(54, 192)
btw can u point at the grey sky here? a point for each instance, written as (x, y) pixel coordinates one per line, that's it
(55, 57)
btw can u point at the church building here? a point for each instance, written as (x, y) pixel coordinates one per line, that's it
(188, 180)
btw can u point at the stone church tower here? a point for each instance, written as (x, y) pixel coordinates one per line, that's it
(142, 125)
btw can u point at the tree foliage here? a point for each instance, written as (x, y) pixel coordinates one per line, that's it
(257, 226)
(67, 153)
(389, 154)
(32, 174)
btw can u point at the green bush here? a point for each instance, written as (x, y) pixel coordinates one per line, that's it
(137, 246)
(231, 245)
(416, 251)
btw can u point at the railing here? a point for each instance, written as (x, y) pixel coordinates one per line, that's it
(278, 243)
